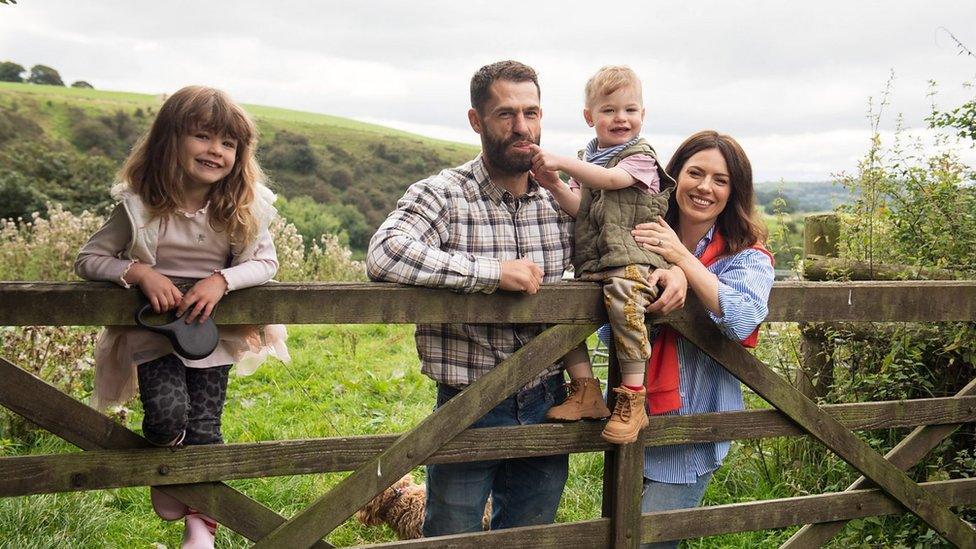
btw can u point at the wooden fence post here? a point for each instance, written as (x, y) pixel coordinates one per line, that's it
(820, 235)
(610, 457)
(816, 371)
(623, 475)
(628, 473)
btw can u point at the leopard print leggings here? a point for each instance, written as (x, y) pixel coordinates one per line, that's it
(177, 399)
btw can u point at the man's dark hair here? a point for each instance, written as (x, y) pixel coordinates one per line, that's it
(512, 71)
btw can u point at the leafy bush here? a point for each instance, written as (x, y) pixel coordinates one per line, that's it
(16, 126)
(341, 178)
(19, 197)
(289, 151)
(326, 259)
(909, 206)
(44, 248)
(310, 218)
(59, 174)
(60, 355)
(108, 135)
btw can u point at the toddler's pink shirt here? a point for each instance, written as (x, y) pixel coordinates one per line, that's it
(641, 167)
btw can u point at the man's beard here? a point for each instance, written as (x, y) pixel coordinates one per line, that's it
(496, 151)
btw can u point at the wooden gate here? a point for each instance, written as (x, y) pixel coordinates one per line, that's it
(117, 457)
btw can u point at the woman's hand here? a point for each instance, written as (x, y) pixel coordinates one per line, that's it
(157, 288)
(203, 297)
(674, 287)
(661, 239)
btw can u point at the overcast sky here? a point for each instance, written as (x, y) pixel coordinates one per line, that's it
(790, 80)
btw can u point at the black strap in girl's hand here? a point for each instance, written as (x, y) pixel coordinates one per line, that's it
(192, 341)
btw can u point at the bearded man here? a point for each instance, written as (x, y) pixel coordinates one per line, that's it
(481, 227)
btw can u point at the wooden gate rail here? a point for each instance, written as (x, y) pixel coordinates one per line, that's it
(565, 304)
(106, 469)
(96, 304)
(712, 520)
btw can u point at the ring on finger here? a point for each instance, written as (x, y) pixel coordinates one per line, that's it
(658, 242)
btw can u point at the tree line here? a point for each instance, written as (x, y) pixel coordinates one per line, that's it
(38, 74)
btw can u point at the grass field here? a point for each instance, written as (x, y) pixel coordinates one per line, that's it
(103, 102)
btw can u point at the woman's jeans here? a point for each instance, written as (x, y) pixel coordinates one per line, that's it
(524, 491)
(661, 496)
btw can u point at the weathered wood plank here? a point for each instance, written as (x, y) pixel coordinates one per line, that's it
(412, 448)
(699, 521)
(102, 469)
(818, 267)
(610, 455)
(589, 534)
(628, 481)
(904, 455)
(825, 428)
(781, 513)
(43, 404)
(815, 374)
(93, 303)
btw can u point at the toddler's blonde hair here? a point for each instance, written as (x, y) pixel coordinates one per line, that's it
(610, 79)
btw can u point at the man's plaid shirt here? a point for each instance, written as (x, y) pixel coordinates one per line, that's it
(451, 231)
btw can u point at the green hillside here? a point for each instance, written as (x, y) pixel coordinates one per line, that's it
(65, 144)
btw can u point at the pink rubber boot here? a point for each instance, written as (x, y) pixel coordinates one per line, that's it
(199, 531)
(167, 507)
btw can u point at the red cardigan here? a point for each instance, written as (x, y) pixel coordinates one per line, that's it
(662, 377)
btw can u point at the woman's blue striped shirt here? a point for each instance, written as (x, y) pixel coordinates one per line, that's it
(745, 280)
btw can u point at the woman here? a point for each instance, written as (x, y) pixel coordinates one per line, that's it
(710, 233)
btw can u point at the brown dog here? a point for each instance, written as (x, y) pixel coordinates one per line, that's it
(402, 507)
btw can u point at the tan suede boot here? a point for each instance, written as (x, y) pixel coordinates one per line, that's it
(629, 417)
(584, 401)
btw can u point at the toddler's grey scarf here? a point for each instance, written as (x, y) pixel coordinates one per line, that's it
(600, 157)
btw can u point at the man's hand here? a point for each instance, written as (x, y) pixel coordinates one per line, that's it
(157, 288)
(520, 275)
(203, 297)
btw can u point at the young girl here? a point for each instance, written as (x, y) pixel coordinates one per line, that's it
(191, 206)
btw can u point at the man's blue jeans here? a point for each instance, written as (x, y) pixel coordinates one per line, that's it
(524, 491)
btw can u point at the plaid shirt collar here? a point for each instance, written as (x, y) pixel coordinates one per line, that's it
(495, 193)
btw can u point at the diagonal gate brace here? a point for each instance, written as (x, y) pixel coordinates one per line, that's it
(416, 445)
(83, 426)
(904, 455)
(703, 333)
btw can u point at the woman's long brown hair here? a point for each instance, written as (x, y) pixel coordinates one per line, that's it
(153, 169)
(739, 222)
